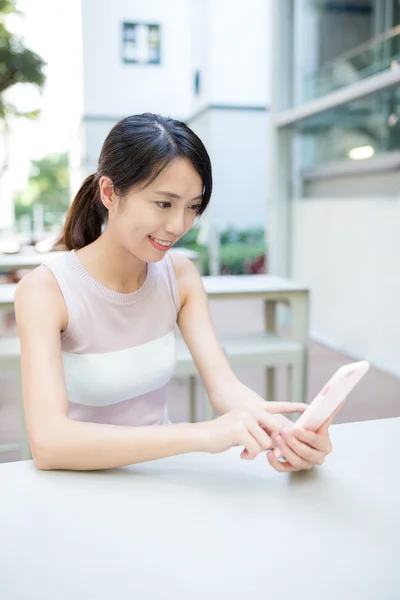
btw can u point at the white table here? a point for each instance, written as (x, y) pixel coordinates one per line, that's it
(269, 288)
(7, 291)
(209, 527)
(15, 262)
(272, 290)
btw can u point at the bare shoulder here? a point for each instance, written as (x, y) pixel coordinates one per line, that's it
(187, 276)
(37, 293)
(183, 267)
(37, 283)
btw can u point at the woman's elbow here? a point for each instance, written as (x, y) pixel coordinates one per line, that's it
(42, 465)
(43, 459)
(44, 453)
(48, 444)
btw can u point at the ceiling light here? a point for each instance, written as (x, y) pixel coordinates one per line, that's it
(361, 152)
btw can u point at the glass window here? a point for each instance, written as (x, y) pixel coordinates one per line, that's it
(354, 131)
(141, 43)
(326, 45)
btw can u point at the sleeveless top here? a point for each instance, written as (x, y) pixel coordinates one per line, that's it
(118, 350)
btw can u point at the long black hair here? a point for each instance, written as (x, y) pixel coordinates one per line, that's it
(135, 152)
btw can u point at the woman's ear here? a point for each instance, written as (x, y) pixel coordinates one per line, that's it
(107, 194)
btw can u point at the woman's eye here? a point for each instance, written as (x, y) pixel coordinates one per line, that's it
(195, 207)
(164, 204)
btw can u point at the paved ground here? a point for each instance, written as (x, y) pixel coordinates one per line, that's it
(376, 396)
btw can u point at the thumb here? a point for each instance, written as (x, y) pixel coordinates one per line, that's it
(325, 426)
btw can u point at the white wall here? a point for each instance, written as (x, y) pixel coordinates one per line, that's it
(237, 75)
(348, 251)
(114, 88)
(370, 184)
(200, 52)
(237, 143)
(238, 58)
(225, 39)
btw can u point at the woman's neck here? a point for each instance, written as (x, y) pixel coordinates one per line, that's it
(112, 266)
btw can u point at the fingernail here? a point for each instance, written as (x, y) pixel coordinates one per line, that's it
(279, 442)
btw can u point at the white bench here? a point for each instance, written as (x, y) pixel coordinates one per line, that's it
(267, 350)
(249, 350)
(242, 350)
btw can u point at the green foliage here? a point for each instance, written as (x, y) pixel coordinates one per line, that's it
(17, 63)
(237, 248)
(189, 240)
(234, 256)
(253, 237)
(8, 6)
(49, 186)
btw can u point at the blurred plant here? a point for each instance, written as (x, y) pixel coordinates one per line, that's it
(48, 186)
(239, 258)
(252, 236)
(241, 251)
(17, 65)
(190, 241)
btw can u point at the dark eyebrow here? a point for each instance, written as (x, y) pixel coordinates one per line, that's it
(176, 196)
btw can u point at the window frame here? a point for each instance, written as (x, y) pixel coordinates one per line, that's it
(148, 25)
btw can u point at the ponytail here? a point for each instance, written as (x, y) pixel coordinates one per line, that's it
(85, 217)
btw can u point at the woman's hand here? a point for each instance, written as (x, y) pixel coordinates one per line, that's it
(301, 448)
(250, 425)
(237, 395)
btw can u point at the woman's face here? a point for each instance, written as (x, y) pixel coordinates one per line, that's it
(150, 220)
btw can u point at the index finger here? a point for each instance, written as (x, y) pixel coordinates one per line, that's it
(272, 423)
(285, 407)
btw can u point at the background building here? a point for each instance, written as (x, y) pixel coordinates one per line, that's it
(201, 61)
(334, 207)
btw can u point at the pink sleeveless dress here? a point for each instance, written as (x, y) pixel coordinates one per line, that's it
(118, 349)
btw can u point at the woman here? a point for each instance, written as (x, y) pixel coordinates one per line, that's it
(97, 323)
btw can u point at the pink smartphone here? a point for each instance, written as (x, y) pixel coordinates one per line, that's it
(330, 397)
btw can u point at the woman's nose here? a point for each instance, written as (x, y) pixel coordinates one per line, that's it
(176, 224)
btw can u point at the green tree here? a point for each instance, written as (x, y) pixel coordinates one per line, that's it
(17, 63)
(48, 185)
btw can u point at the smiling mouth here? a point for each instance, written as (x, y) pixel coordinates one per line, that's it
(162, 243)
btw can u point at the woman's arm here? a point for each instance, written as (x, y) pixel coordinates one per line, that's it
(56, 441)
(224, 389)
(303, 449)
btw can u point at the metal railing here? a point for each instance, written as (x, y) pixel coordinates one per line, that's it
(372, 57)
